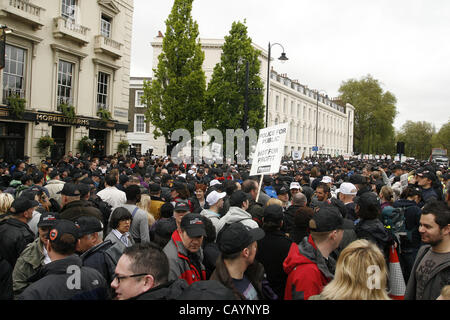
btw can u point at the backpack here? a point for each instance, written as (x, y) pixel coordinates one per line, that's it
(395, 222)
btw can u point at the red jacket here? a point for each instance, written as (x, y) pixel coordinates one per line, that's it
(307, 271)
(180, 264)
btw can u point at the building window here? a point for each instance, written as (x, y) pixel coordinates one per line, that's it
(284, 105)
(138, 102)
(277, 102)
(65, 82)
(105, 29)
(68, 9)
(102, 90)
(139, 123)
(14, 72)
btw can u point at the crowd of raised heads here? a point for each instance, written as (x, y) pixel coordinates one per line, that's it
(147, 228)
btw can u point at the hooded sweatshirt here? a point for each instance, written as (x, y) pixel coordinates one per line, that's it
(308, 271)
(236, 214)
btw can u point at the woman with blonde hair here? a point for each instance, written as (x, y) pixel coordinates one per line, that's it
(361, 274)
(144, 204)
(6, 200)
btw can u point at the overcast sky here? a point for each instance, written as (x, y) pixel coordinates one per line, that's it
(405, 44)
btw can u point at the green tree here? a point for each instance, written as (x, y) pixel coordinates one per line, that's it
(417, 137)
(442, 138)
(227, 89)
(175, 98)
(375, 112)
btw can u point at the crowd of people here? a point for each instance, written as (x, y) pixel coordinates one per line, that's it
(146, 228)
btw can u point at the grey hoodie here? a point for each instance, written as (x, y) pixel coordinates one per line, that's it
(236, 214)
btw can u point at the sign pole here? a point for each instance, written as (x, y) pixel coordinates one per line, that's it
(259, 188)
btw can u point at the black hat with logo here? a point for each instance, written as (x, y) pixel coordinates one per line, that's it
(237, 236)
(328, 219)
(193, 224)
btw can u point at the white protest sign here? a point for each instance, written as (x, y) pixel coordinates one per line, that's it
(269, 150)
(296, 155)
(404, 181)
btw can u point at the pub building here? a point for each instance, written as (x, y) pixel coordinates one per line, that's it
(65, 55)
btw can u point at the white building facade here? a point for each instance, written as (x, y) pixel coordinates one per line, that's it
(65, 52)
(293, 103)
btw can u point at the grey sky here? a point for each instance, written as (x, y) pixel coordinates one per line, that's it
(403, 43)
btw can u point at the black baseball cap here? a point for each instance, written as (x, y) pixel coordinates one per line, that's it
(238, 197)
(273, 213)
(88, 225)
(70, 190)
(237, 236)
(367, 200)
(181, 206)
(84, 189)
(193, 224)
(22, 204)
(154, 187)
(427, 174)
(328, 219)
(282, 190)
(61, 227)
(357, 179)
(48, 219)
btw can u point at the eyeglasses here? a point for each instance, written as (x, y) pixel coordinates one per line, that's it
(130, 276)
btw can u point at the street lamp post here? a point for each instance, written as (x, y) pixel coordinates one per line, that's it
(4, 30)
(282, 58)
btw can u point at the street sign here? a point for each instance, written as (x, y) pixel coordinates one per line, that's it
(269, 150)
(315, 149)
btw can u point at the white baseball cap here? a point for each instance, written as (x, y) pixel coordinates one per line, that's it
(214, 182)
(284, 168)
(295, 185)
(327, 179)
(347, 188)
(214, 197)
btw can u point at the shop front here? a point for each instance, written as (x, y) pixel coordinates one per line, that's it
(19, 136)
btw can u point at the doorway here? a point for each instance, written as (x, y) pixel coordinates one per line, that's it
(59, 134)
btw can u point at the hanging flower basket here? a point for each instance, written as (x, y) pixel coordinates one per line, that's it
(85, 144)
(122, 146)
(44, 144)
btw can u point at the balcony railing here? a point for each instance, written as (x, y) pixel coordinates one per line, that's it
(108, 46)
(68, 28)
(25, 11)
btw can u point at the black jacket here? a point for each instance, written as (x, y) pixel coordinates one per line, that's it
(79, 208)
(103, 258)
(167, 291)
(374, 230)
(15, 235)
(211, 253)
(56, 276)
(272, 251)
(289, 215)
(6, 282)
